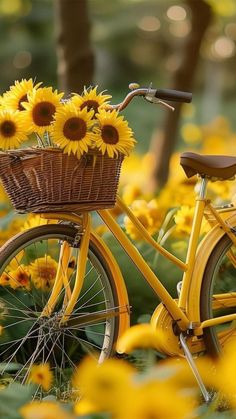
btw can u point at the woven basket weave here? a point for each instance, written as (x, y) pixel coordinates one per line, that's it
(47, 180)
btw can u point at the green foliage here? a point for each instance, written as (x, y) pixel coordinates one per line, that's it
(12, 398)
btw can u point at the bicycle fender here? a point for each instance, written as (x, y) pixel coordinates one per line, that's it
(120, 284)
(203, 253)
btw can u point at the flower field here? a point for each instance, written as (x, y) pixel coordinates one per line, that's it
(144, 386)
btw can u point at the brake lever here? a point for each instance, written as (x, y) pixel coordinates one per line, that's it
(150, 97)
(156, 101)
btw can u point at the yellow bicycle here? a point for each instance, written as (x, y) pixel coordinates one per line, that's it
(83, 306)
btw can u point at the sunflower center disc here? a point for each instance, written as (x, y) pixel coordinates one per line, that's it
(7, 128)
(75, 129)
(43, 113)
(90, 104)
(110, 134)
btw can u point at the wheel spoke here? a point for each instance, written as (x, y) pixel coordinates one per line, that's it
(31, 337)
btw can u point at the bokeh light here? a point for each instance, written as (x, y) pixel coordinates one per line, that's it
(230, 30)
(177, 13)
(173, 62)
(22, 59)
(149, 24)
(180, 29)
(223, 47)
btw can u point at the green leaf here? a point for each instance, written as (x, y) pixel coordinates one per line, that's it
(10, 367)
(167, 223)
(14, 397)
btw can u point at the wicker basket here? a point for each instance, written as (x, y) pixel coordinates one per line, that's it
(47, 180)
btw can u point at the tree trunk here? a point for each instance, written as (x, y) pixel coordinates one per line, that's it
(162, 145)
(75, 55)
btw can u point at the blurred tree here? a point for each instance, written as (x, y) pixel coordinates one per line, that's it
(75, 55)
(162, 144)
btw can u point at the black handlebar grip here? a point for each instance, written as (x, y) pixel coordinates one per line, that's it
(173, 95)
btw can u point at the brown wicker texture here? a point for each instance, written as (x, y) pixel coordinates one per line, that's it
(47, 180)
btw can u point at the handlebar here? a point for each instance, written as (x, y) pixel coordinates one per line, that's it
(154, 96)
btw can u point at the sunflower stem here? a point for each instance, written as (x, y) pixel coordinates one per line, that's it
(48, 139)
(40, 141)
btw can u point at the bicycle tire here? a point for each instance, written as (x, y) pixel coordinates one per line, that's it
(30, 247)
(218, 278)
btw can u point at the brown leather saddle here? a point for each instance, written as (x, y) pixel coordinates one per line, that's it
(211, 166)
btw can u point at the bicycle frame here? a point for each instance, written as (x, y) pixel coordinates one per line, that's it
(186, 311)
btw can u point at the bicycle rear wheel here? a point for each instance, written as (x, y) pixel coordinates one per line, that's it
(29, 262)
(218, 295)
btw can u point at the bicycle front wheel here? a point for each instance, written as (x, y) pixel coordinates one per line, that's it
(29, 263)
(218, 295)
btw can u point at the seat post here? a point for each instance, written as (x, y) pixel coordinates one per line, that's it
(203, 187)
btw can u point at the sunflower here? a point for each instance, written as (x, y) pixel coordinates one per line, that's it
(71, 129)
(13, 129)
(113, 134)
(91, 100)
(41, 375)
(4, 279)
(20, 278)
(41, 107)
(18, 93)
(44, 409)
(43, 272)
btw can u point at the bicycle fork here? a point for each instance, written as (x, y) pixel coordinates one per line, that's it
(61, 279)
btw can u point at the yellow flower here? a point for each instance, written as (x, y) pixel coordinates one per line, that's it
(130, 193)
(20, 278)
(71, 129)
(148, 213)
(213, 142)
(43, 272)
(138, 336)
(35, 220)
(13, 129)
(17, 94)
(13, 227)
(184, 219)
(154, 401)
(112, 135)
(91, 100)
(191, 133)
(145, 219)
(225, 372)
(176, 194)
(84, 407)
(41, 375)
(3, 197)
(5, 279)
(41, 106)
(155, 213)
(220, 191)
(44, 410)
(4, 236)
(179, 375)
(104, 385)
(188, 110)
